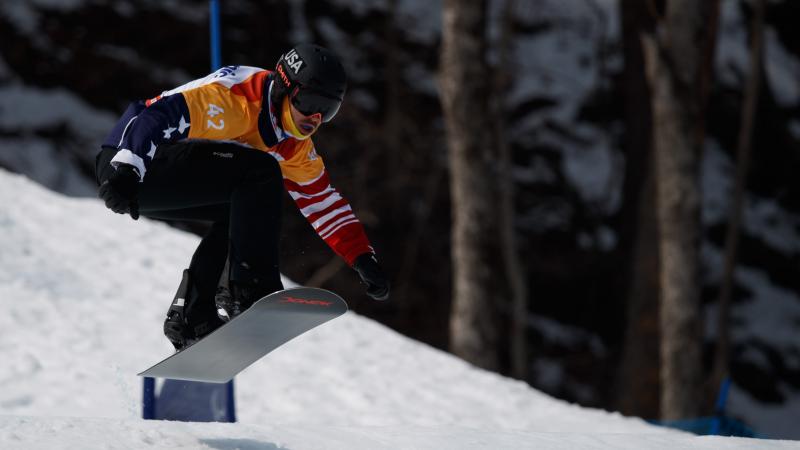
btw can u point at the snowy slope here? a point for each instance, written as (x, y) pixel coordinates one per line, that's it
(83, 292)
(104, 434)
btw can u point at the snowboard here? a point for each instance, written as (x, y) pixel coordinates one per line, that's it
(269, 323)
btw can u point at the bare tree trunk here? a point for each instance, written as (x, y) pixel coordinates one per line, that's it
(722, 357)
(638, 384)
(508, 239)
(676, 65)
(463, 83)
(639, 381)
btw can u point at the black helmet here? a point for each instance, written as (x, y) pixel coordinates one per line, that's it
(313, 78)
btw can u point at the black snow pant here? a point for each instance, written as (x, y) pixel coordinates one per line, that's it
(236, 188)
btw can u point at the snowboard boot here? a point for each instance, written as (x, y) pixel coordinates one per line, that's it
(176, 330)
(177, 327)
(234, 298)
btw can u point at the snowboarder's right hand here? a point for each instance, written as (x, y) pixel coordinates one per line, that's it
(372, 275)
(120, 191)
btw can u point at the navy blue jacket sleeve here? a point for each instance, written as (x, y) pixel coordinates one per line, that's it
(165, 120)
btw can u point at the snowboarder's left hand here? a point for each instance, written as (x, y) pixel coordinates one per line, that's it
(372, 275)
(120, 191)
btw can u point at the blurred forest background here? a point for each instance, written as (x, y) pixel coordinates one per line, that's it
(597, 197)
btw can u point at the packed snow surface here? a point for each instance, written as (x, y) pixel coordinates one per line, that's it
(83, 293)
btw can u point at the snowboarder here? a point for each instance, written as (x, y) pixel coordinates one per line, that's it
(221, 149)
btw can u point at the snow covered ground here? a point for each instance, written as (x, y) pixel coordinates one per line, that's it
(83, 293)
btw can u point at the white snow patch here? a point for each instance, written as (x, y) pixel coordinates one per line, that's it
(421, 21)
(777, 309)
(763, 218)
(27, 108)
(42, 161)
(83, 314)
(716, 183)
(594, 169)
(24, 14)
(770, 314)
(782, 69)
(732, 58)
(732, 53)
(774, 225)
(561, 63)
(28, 112)
(775, 420)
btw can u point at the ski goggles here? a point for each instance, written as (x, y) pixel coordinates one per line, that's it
(310, 102)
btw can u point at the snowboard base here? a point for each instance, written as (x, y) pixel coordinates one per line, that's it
(265, 326)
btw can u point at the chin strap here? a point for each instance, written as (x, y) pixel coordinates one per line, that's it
(288, 123)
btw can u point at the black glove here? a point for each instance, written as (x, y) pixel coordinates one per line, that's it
(372, 275)
(120, 191)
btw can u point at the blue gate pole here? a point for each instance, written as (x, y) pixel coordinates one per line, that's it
(216, 52)
(722, 399)
(231, 408)
(148, 398)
